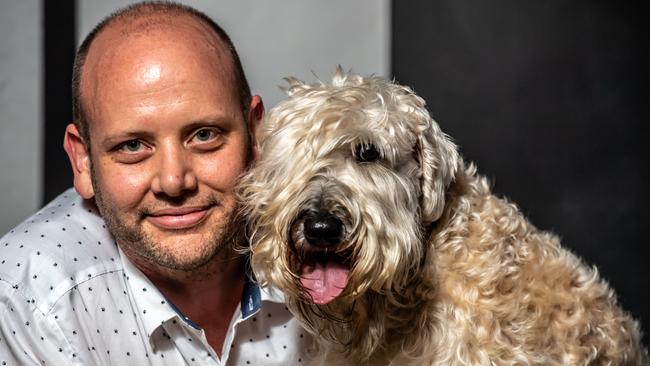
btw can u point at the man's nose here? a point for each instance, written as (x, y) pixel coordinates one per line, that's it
(175, 174)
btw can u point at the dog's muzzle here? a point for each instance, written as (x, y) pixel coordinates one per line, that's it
(323, 229)
(324, 267)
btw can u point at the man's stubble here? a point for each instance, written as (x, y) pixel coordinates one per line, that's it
(226, 239)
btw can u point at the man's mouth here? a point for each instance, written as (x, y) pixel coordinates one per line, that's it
(178, 218)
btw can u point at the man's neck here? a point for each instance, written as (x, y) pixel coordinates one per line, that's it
(207, 296)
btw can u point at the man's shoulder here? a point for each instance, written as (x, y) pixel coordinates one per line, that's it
(60, 246)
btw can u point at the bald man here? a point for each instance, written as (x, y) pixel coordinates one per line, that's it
(138, 264)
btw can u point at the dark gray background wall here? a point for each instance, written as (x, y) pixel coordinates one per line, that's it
(550, 100)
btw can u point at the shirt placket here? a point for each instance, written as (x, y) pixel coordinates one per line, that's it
(191, 343)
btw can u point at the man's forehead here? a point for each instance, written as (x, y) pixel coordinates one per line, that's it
(137, 49)
(181, 26)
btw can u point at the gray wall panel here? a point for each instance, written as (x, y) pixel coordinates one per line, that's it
(289, 37)
(20, 110)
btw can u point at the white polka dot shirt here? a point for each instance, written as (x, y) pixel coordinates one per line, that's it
(68, 296)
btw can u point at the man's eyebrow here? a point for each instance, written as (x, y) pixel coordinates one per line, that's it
(108, 142)
(223, 122)
(208, 122)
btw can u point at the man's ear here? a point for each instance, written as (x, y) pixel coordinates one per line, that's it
(75, 146)
(255, 117)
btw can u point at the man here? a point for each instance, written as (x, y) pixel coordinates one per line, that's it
(139, 265)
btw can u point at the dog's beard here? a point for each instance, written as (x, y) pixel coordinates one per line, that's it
(375, 276)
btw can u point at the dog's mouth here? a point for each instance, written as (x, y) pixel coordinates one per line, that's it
(324, 278)
(324, 262)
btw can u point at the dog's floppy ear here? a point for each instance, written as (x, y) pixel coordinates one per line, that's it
(439, 159)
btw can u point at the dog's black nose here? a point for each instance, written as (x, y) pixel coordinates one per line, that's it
(323, 229)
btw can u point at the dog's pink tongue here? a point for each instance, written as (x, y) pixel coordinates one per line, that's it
(324, 281)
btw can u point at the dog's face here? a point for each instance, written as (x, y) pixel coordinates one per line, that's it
(350, 173)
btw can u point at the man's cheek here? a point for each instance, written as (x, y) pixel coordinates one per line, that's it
(124, 187)
(221, 172)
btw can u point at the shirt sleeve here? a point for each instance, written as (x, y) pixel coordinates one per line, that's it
(27, 336)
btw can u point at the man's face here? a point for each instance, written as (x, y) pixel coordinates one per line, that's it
(168, 140)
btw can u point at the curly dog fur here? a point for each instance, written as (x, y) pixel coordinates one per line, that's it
(428, 267)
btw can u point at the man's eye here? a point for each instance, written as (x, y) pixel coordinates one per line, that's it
(204, 135)
(131, 146)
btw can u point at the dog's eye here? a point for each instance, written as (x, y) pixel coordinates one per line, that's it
(365, 153)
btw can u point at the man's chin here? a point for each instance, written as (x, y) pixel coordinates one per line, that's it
(182, 245)
(183, 250)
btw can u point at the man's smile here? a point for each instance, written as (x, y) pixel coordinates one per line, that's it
(179, 217)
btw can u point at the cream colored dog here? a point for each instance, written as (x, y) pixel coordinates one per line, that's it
(391, 250)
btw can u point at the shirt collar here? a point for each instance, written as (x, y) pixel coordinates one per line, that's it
(270, 294)
(154, 309)
(251, 299)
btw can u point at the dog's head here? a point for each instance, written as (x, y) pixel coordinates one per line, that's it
(350, 173)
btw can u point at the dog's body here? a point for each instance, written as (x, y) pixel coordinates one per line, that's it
(390, 250)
